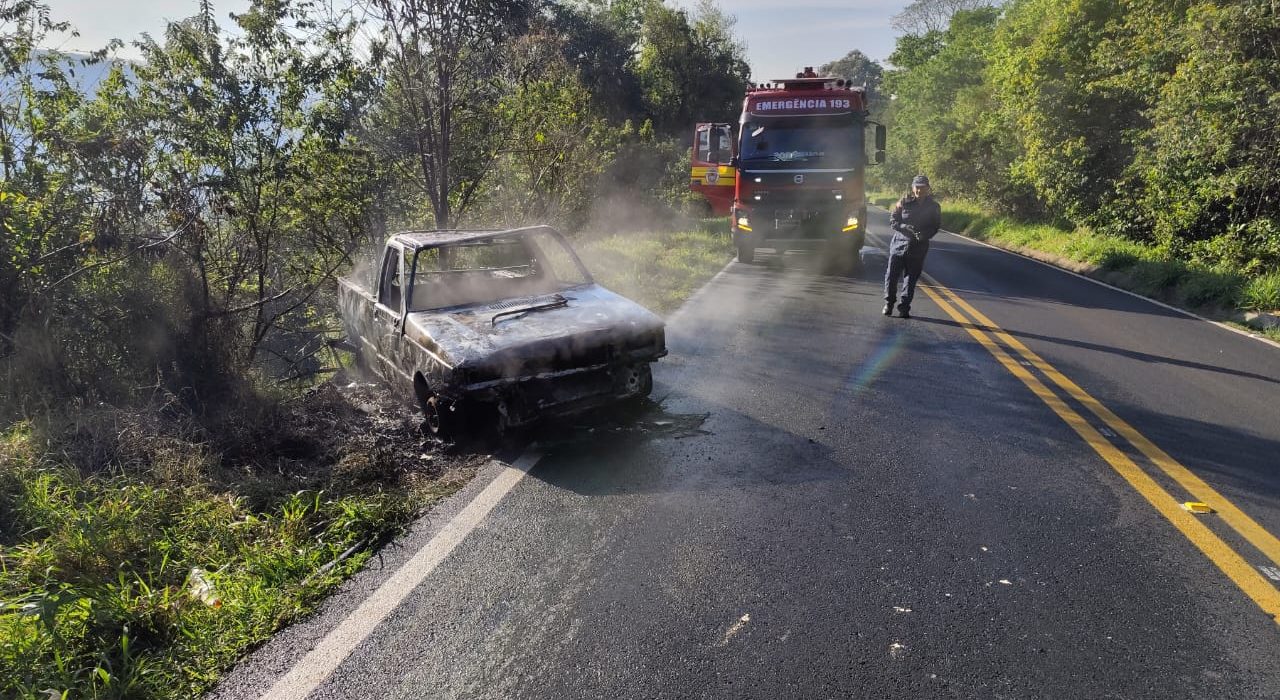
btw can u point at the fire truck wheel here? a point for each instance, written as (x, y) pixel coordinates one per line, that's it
(855, 253)
(746, 253)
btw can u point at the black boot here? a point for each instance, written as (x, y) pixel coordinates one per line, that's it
(904, 311)
(888, 309)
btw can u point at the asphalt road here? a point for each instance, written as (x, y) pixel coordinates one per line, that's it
(830, 503)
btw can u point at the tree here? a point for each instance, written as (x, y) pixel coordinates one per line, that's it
(599, 39)
(440, 86)
(44, 210)
(690, 71)
(1071, 119)
(924, 16)
(254, 175)
(557, 144)
(1210, 157)
(856, 67)
(942, 112)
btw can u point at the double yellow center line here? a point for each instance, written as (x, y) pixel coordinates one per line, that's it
(1252, 583)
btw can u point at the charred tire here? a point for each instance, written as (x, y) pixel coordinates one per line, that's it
(640, 378)
(746, 252)
(442, 419)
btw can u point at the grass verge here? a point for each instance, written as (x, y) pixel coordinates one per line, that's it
(659, 269)
(142, 552)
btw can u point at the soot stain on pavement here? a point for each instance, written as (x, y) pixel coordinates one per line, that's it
(625, 424)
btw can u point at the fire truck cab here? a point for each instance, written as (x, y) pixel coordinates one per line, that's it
(798, 168)
(713, 175)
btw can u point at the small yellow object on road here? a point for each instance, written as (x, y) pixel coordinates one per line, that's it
(1197, 507)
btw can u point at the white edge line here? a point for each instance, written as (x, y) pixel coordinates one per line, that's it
(1100, 283)
(698, 293)
(337, 645)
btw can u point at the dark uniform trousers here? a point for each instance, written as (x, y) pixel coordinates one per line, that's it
(906, 264)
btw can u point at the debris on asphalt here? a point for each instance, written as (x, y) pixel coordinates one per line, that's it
(643, 419)
(1197, 507)
(897, 650)
(734, 629)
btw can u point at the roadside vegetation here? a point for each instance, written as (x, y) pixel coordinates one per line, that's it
(186, 464)
(1136, 137)
(143, 554)
(659, 269)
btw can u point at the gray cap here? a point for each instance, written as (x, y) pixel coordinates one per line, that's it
(919, 181)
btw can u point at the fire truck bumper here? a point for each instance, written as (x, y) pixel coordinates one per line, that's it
(792, 229)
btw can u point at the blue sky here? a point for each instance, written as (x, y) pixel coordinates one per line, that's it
(782, 36)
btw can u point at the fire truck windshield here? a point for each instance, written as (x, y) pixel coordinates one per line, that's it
(781, 144)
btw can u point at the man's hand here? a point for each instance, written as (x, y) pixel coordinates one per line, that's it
(910, 231)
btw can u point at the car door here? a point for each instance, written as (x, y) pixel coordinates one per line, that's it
(389, 315)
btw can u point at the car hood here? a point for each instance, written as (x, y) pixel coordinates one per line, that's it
(592, 318)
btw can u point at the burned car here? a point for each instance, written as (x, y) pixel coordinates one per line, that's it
(474, 323)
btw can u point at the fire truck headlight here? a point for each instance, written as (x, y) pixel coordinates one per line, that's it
(839, 196)
(840, 179)
(759, 179)
(757, 198)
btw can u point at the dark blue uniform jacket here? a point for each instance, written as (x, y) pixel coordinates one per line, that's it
(921, 216)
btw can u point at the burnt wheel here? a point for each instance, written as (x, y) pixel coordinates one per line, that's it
(444, 419)
(639, 379)
(440, 420)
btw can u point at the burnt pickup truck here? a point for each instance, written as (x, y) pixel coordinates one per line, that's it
(509, 321)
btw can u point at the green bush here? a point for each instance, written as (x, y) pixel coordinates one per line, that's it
(1153, 277)
(1210, 288)
(1261, 293)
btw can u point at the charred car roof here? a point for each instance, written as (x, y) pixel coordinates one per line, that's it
(416, 240)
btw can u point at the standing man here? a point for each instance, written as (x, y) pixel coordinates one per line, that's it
(915, 219)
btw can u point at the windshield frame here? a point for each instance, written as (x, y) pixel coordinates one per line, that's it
(527, 236)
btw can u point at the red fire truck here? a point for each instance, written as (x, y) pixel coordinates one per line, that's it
(793, 178)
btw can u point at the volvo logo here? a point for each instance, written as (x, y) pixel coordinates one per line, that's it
(799, 179)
